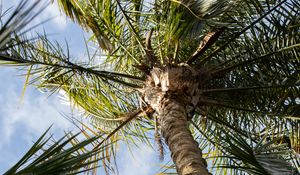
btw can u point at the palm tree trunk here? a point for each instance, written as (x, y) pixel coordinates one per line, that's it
(184, 149)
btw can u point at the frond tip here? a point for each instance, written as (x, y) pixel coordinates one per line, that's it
(257, 158)
(62, 156)
(20, 17)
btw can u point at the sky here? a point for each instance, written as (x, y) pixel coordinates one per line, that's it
(23, 120)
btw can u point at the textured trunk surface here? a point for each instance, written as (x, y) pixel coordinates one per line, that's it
(173, 92)
(184, 149)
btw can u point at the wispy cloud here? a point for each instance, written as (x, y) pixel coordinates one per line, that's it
(34, 115)
(52, 11)
(22, 122)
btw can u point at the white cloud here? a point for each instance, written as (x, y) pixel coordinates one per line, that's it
(26, 121)
(52, 11)
(33, 115)
(21, 123)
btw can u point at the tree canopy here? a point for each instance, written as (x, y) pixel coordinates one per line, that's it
(245, 53)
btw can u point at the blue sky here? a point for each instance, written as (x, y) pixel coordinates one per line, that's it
(23, 120)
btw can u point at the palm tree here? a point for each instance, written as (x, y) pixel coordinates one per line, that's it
(215, 76)
(68, 155)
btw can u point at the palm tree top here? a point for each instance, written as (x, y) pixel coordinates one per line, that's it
(243, 55)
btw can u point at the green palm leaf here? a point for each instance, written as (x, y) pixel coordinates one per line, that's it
(260, 158)
(62, 156)
(242, 62)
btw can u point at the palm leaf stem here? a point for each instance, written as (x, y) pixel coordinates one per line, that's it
(219, 72)
(216, 103)
(247, 88)
(130, 117)
(205, 44)
(211, 141)
(222, 47)
(131, 26)
(103, 74)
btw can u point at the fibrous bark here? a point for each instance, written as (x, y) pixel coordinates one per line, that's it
(173, 92)
(184, 149)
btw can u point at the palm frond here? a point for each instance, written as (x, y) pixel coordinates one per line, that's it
(260, 158)
(113, 25)
(231, 151)
(259, 70)
(61, 156)
(122, 25)
(18, 19)
(249, 70)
